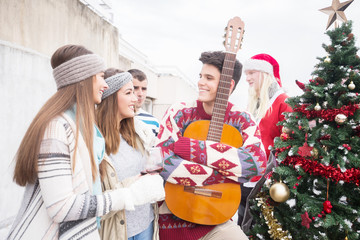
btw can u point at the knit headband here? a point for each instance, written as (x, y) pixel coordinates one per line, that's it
(78, 69)
(116, 82)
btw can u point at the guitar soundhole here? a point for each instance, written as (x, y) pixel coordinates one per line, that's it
(203, 191)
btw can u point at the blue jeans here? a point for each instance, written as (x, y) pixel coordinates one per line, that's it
(147, 234)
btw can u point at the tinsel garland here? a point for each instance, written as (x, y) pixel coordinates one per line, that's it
(327, 114)
(351, 175)
(275, 229)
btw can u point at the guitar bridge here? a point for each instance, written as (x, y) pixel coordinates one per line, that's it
(203, 191)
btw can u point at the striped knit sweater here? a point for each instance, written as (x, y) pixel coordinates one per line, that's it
(60, 204)
(198, 163)
(149, 119)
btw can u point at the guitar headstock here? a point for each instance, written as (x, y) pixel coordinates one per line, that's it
(234, 34)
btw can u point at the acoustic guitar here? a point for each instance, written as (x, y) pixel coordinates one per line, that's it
(217, 203)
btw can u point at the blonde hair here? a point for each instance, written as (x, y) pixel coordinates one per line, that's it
(259, 104)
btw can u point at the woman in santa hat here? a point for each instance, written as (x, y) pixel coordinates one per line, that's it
(267, 103)
(266, 96)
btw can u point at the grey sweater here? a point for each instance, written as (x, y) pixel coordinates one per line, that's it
(129, 162)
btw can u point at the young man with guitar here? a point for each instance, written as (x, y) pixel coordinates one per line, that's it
(203, 173)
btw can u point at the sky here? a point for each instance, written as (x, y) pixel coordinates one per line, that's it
(175, 33)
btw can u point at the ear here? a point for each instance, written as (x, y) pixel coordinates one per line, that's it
(232, 84)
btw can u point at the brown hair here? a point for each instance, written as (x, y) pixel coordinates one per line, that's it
(138, 74)
(107, 118)
(81, 94)
(216, 59)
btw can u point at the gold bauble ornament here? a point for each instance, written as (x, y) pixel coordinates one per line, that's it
(340, 118)
(327, 59)
(317, 107)
(314, 153)
(351, 86)
(286, 130)
(279, 192)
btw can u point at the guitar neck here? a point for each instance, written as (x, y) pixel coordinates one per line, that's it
(222, 97)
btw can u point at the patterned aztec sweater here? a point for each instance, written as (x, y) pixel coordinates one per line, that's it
(198, 163)
(60, 204)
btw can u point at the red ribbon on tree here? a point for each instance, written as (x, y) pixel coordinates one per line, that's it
(351, 175)
(327, 114)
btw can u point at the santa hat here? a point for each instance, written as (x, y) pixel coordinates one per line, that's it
(264, 63)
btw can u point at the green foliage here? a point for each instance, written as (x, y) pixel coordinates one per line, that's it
(335, 149)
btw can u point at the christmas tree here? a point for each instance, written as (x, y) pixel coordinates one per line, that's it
(314, 191)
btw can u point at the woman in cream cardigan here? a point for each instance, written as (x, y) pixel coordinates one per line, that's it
(126, 140)
(58, 158)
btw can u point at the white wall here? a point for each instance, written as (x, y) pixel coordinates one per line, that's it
(26, 83)
(171, 89)
(45, 25)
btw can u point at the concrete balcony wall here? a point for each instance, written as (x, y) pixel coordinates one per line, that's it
(27, 82)
(45, 25)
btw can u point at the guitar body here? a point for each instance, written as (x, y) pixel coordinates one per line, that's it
(211, 204)
(217, 203)
(199, 130)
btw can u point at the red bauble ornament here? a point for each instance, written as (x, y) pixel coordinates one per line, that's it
(284, 136)
(347, 146)
(327, 206)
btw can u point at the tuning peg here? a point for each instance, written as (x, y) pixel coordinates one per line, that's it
(224, 43)
(226, 29)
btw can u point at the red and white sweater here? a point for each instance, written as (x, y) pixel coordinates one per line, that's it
(198, 163)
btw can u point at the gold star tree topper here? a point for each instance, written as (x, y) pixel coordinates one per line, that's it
(336, 12)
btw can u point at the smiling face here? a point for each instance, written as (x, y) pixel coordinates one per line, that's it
(126, 101)
(99, 86)
(253, 78)
(207, 84)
